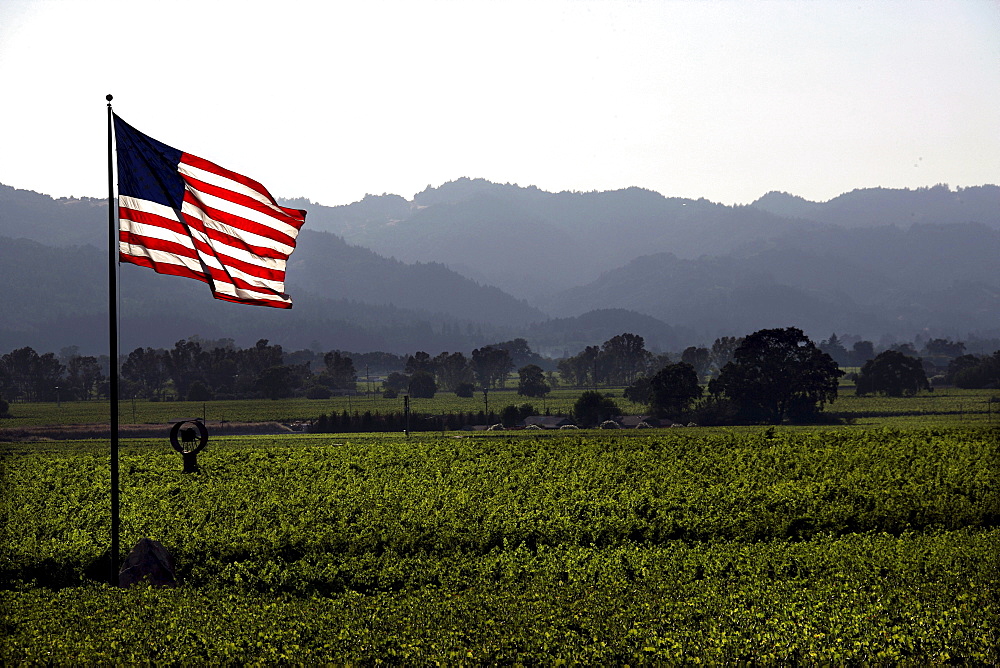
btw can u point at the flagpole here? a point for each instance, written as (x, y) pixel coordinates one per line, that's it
(113, 345)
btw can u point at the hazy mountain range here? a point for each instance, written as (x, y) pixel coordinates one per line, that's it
(562, 240)
(474, 262)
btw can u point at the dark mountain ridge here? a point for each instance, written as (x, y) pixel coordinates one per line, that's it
(873, 282)
(566, 239)
(344, 297)
(888, 206)
(381, 273)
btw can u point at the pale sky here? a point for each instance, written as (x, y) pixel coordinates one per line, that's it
(331, 100)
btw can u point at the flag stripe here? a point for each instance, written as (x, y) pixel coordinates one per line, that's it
(245, 205)
(218, 208)
(166, 252)
(137, 237)
(194, 227)
(207, 172)
(160, 239)
(250, 184)
(266, 249)
(163, 263)
(185, 216)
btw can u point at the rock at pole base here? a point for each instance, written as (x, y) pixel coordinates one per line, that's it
(148, 562)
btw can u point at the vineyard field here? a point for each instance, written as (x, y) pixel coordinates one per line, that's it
(835, 545)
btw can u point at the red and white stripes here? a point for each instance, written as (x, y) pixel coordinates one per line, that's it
(229, 233)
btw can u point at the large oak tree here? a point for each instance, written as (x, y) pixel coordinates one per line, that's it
(778, 373)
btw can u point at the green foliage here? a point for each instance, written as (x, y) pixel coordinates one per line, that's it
(340, 373)
(592, 408)
(684, 546)
(422, 385)
(491, 366)
(902, 600)
(778, 373)
(274, 382)
(723, 349)
(145, 372)
(620, 360)
(452, 371)
(520, 352)
(673, 388)
(944, 348)
(318, 392)
(514, 414)
(580, 368)
(943, 406)
(640, 391)
(623, 358)
(892, 373)
(960, 364)
(198, 391)
(28, 376)
(699, 359)
(984, 373)
(531, 381)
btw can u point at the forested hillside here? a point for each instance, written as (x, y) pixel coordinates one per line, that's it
(567, 239)
(873, 282)
(471, 261)
(344, 297)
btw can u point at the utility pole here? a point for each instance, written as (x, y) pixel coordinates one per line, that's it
(406, 414)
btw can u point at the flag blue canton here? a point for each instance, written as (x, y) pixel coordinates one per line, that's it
(147, 169)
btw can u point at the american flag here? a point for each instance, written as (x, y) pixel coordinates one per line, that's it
(182, 215)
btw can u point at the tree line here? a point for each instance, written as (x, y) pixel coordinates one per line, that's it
(775, 375)
(199, 370)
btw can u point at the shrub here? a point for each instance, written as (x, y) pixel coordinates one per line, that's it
(715, 411)
(514, 414)
(640, 391)
(593, 408)
(318, 392)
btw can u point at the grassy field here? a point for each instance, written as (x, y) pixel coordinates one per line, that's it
(284, 410)
(943, 406)
(872, 543)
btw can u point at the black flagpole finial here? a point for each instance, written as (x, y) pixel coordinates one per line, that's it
(109, 97)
